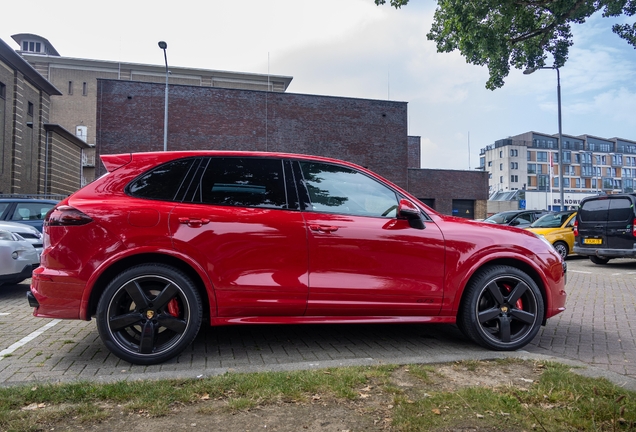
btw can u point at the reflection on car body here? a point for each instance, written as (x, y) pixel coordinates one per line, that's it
(167, 240)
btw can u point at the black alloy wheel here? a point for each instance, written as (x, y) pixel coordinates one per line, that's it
(149, 313)
(502, 309)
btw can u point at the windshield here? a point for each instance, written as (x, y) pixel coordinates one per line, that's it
(552, 220)
(501, 218)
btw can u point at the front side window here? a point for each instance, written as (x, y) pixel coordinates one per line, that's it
(338, 189)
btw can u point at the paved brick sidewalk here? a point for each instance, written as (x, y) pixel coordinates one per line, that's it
(597, 329)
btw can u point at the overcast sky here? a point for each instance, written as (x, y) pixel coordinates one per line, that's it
(353, 48)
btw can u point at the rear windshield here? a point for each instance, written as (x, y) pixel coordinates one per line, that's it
(610, 210)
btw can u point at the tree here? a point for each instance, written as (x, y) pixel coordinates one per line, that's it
(519, 33)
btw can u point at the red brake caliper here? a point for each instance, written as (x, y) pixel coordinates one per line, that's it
(173, 308)
(519, 303)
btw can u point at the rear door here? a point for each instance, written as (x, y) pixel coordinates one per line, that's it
(242, 222)
(620, 220)
(593, 223)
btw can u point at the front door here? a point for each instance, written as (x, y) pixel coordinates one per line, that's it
(363, 260)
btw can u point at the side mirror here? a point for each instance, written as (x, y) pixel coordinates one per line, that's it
(409, 211)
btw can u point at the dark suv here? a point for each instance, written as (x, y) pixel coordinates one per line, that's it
(605, 228)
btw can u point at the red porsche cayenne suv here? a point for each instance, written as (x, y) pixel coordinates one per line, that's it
(166, 241)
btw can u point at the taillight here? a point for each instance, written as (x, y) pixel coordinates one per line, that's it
(66, 215)
(634, 227)
(576, 228)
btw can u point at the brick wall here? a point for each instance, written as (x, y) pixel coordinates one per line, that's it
(371, 133)
(446, 185)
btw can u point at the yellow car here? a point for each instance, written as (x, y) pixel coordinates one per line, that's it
(557, 229)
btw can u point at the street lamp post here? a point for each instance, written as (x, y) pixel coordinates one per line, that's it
(164, 46)
(560, 146)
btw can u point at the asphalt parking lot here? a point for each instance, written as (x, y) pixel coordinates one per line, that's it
(597, 332)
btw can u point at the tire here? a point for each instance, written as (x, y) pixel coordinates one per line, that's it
(599, 260)
(562, 249)
(502, 309)
(149, 314)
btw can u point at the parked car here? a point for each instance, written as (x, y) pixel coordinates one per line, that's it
(27, 232)
(25, 210)
(17, 258)
(167, 240)
(516, 218)
(557, 228)
(605, 227)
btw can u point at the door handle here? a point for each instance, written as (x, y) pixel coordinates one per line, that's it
(323, 228)
(193, 222)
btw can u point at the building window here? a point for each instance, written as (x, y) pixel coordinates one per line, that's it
(501, 179)
(528, 155)
(70, 87)
(514, 152)
(542, 156)
(577, 182)
(514, 179)
(532, 168)
(500, 153)
(489, 163)
(30, 109)
(566, 182)
(84, 89)
(514, 165)
(617, 159)
(500, 167)
(567, 157)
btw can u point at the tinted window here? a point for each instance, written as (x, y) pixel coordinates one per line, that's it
(337, 189)
(594, 210)
(162, 182)
(245, 182)
(620, 209)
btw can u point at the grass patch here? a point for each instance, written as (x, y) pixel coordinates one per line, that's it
(558, 400)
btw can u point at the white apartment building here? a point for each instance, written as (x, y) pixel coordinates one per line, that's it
(530, 161)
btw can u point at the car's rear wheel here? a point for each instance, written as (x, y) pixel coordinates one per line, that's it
(562, 249)
(599, 260)
(502, 308)
(149, 314)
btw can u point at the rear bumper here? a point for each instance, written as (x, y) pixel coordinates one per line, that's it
(605, 253)
(55, 296)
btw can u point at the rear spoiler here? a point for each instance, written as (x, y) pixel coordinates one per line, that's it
(113, 162)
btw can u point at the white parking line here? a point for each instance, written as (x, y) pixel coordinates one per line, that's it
(4, 313)
(578, 271)
(27, 339)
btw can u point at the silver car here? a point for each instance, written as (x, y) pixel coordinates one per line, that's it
(27, 232)
(18, 258)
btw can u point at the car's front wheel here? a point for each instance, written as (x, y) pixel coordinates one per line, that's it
(502, 308)
(149, 314)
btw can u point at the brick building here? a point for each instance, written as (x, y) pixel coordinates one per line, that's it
(31, 148)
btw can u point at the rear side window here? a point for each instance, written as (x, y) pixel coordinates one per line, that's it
(594, 210)
(30, 211)
(162, 182)
(243, 182)
(620, 209)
